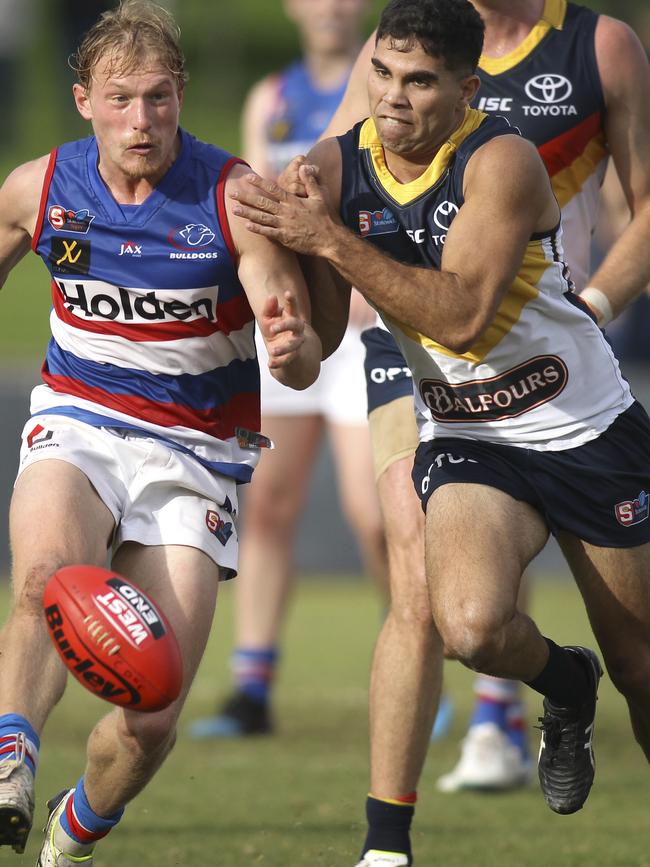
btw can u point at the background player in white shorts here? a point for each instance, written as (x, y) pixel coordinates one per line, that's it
(284, 114)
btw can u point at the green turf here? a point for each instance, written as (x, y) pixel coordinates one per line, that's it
(296, 800)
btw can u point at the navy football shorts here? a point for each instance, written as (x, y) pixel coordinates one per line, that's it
(387, 374)
(599, 492)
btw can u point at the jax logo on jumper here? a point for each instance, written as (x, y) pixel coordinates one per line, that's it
(130, 248)
(217, 526)
(189, 240)
(377, 222)
(66, 220)
(631, 512)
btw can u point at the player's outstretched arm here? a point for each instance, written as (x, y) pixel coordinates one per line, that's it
(329, 293)
(276, 291)
(20, 197)
(625, 76)
(507, 198)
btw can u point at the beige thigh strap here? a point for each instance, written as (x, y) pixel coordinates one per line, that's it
(393, 433)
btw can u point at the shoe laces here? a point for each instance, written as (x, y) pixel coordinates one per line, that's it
(8, 766)
(561, 734)
(21, 748)
(551, 727)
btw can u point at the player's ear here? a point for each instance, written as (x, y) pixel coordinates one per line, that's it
(82, 101)
(469, 86)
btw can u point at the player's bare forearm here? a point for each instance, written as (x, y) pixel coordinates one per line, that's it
(330, 302)
(625, 76)
(433, 303)
(625, 272)
(420, 298)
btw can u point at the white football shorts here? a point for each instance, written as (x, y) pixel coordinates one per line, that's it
(156, 494)
(339, 393)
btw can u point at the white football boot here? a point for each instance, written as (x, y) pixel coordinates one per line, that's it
(59, 849)
(376, 858)
(16, 799)
(489, 761)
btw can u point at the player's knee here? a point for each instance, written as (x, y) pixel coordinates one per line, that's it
(470, 636)
(150, 733)
(29, 599)
(271, 515)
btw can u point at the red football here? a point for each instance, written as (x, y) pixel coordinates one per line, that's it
(113, 638)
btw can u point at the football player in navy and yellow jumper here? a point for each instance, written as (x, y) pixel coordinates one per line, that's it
(452, 230)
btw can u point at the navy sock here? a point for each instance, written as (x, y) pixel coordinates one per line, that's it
(389, 825)
(564, 679)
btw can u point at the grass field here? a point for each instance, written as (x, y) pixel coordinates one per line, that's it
(296, 799)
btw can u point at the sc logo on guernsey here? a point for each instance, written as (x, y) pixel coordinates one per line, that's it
(442, 217)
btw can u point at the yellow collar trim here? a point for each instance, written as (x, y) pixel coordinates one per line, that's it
(405, 193)
(552, 18)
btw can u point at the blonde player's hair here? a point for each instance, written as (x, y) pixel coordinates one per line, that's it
(134, 31)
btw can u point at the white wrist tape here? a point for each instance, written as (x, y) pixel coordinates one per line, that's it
(598, 300)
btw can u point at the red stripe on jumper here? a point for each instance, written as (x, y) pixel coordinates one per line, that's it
(220, 422)
(44, 195)
(561, 151)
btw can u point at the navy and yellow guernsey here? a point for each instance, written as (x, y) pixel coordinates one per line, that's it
(550, 89)
(541, 376)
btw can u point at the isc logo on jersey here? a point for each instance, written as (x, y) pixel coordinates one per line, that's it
(495, 104)
(631, 512)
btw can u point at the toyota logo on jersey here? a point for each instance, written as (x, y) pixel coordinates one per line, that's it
(444, 214)
(549, 88)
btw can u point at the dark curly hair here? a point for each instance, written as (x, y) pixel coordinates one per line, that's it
(448, 29)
